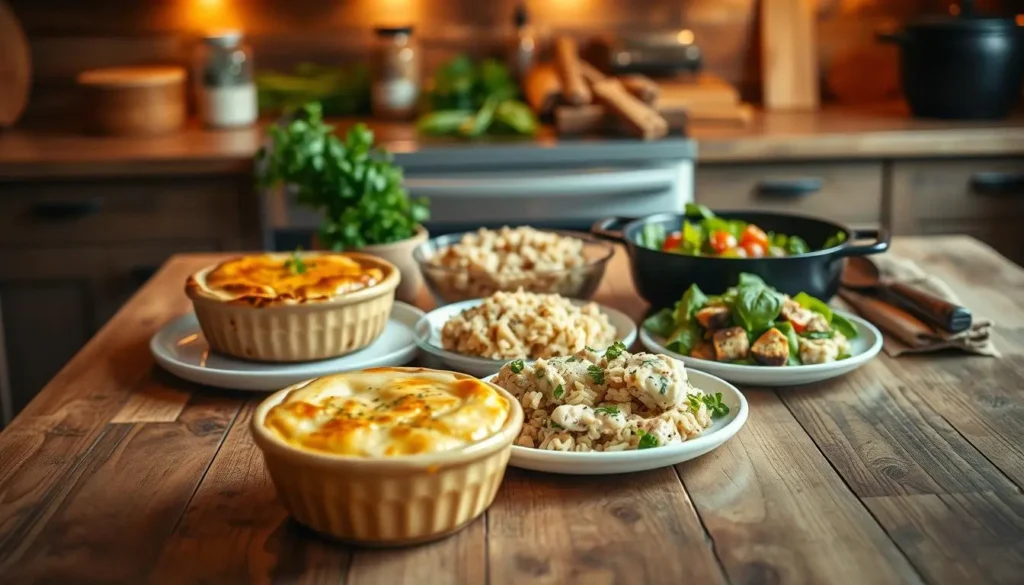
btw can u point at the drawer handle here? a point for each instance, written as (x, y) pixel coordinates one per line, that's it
(65, 210)
(799, 187)
(996, 183)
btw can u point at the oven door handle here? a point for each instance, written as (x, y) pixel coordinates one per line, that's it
(589, 182)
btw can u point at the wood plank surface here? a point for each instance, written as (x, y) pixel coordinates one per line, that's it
(905, 471)
(630, 529)
(752, 492)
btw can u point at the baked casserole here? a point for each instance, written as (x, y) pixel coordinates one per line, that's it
(293, 307)
(388, 455)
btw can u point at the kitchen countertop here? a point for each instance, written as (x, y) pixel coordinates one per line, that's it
(833, 133)
(905, 471)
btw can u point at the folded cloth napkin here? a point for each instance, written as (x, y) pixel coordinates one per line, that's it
(905, 333)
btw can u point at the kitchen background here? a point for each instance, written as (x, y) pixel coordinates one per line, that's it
(85, 220)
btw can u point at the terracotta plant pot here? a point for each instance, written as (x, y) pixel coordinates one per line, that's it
(399, 254)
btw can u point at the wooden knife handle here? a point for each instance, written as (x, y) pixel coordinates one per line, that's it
(574, 87)
(929, 308)
(893, 320)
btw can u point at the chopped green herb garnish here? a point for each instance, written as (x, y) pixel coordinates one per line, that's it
(555, 425)
(650, 363)
(516, 366)
(558, 392)
(647, 440)
(615, 350)
(609, 410)
(694, 402)
(596, 374)
(295, 262)
(715, 405)
(588, 348)
(572, 359)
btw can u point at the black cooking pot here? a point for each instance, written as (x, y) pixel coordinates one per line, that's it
(662, 277)
(962, 67)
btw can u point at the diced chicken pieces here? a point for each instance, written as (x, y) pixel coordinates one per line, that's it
(818, 351)
(731, 344)
(817, 323)
(656, 380)
(771, 349)
(714, 317)
(796, 314)
(664, 431)
(703, 351)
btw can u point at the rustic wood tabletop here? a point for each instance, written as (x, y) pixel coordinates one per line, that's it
(905, 471)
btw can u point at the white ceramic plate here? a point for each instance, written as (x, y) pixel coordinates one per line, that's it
(428, 336)
(180, 348)
(863, 348)
(597, 463)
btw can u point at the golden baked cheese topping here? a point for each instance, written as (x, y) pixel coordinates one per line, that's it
(298, 278)
(385, 412)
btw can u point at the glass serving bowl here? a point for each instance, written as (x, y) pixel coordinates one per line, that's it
(452, 284)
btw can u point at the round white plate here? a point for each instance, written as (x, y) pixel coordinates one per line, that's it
(865, 346)
(598, 463)
(180, 348)
(428, 336)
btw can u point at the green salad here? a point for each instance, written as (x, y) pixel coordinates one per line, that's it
(753, 324)
(706, 234)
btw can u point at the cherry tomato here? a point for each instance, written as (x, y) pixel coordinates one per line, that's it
(754, 249)
(756, 235)
(672, 241)
(722, 241)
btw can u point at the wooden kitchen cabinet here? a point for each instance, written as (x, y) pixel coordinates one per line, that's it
(72, 252)
(847, 192)
(982, 197)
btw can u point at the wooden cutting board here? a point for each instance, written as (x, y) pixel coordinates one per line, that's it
(15, 67)
(789, 56)
(697, 90)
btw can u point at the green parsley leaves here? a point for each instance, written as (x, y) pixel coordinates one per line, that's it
(609, 410)
(558, 391)
(615, 350)
(596, 374)
(295, 263)
(516, 366)
(647, 440)
(715, 405)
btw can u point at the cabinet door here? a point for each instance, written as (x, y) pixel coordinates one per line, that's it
(849, 193)
(983, 197)
(55, 299)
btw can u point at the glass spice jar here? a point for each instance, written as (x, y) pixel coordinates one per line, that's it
(396, 73)
(223, 77)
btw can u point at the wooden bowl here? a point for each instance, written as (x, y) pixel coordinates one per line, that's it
(133, 101)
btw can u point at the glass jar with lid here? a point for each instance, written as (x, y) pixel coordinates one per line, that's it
(223, 78)
(396, 73)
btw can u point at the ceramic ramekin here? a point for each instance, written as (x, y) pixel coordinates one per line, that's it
(296, 332)
(387, 501)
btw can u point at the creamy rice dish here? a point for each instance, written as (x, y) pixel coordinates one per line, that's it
(487, 260)
(609, 401)
(519, 324)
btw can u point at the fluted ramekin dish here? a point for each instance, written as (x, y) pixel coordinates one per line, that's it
(387, 501)
(296, 332)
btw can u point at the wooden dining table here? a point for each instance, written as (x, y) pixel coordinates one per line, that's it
(908, 470)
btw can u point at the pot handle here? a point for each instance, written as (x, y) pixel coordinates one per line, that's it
(610, 228)
(881, 244)
(896, 38)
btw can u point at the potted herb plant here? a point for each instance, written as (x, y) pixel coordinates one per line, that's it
(356, 187)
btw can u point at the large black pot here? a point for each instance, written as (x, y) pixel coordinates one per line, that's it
(662, 277)
(965, 67)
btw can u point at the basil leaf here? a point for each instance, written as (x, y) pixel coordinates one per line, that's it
(756, 308)
(844, 326)
(818, 306)
(697, 210)
(796, 245)
(684, 338)
(652, 235)
(693, 300)
(661, 323)
(747, 279)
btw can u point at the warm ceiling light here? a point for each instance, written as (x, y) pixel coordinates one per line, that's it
(685, 37)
